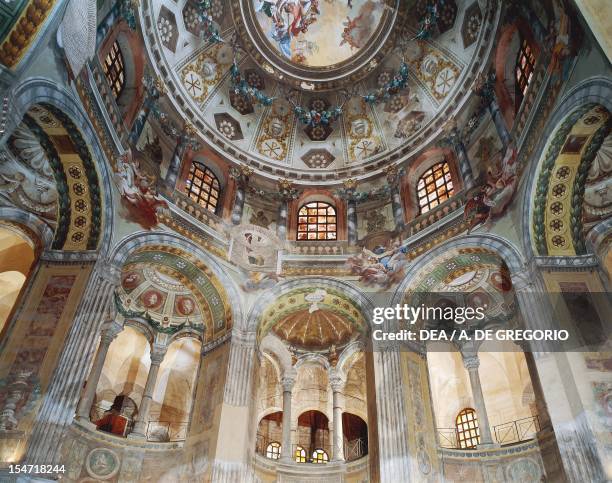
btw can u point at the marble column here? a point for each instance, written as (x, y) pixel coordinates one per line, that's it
(397, 208)
(471, 363)
(60, 401)
(287, 383)
(154, 91)
(500, 123)
(485, 88)
(337, 384)
(395, 460)
(140, 428)
(175, 162)
(351, 221)
(393, 179)
(109, 333)
(281, 221)
(465, 168)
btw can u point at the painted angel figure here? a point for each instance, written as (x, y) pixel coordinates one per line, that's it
(137, 191)
(290, 18)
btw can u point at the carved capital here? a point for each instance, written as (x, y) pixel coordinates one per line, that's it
(336, 383)
(288, 381)
(157, 354)
(471, 361)
(110, 330)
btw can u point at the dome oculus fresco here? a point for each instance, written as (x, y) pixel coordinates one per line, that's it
(318, 34)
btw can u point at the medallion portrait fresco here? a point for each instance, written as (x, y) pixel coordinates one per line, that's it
(318, 33)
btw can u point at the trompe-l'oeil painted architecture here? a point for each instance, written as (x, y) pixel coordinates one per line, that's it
(203, 202)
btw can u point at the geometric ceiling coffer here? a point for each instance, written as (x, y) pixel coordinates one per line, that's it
(319, 132)
(447, 12)
(168, 31)
(254, 79)
(318, 158)
(472, 20)
(241, 103)
(191, 18)
(228, 126)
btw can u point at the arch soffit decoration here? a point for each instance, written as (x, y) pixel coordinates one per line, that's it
(197, 260)
(359, 300)
(494, 244)
(594, 90)
(41, 91)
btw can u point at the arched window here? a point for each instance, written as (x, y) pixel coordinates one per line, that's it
(319, 456)
(468, 433)
(300, 455)
(273, 450)
(317, 221)
(202, 186)
(525, 64)
(434, 187)
(114, 70)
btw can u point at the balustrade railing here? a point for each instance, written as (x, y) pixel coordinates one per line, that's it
(432, 216)
(166, 431)
(511, 432)
(516, 431)
(355, 449)
(447, 438)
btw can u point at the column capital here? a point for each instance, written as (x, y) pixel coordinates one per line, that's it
(484, 86)
(110, 330)
(337, 383)
(158, 352)
(471, 361)
(288, 381)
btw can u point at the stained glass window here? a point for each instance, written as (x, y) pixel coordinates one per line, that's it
(468, 433)
(317, 221)
(114, 70)
(202, 186)
(434, 187)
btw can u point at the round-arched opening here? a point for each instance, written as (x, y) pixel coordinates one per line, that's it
(16, 257)
(355, 432)
(269, 432)
(313, 435)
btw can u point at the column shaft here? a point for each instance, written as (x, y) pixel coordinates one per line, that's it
(238, 205)
(398, 209)
(281, 222)
(87, 399)
(338, 450)
(175, 163)
(286, 449)
(499, 121)
(351, 221)
(140, 428)
(481, 410)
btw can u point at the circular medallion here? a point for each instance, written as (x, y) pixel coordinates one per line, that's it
(102, 463)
